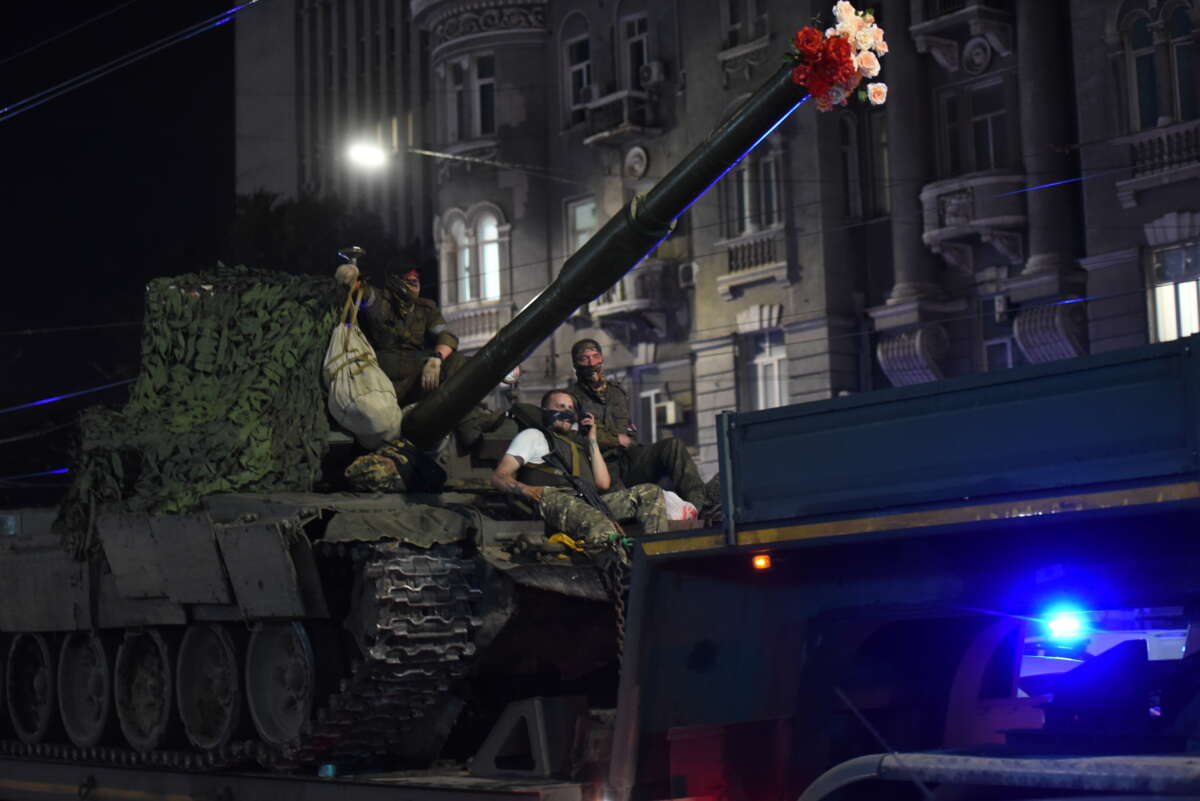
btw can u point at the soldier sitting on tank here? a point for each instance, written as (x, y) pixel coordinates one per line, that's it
(412, 342)
(532, 469)
(633, 463)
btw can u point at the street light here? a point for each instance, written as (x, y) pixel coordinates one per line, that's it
(365, 154)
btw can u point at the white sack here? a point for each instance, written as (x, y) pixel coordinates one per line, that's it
(361, 397)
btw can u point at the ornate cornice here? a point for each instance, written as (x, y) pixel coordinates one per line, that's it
(448, 22)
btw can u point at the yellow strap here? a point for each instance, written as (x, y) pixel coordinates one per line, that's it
(562, 539)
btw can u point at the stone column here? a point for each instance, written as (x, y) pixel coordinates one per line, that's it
(1046, 106)
(910, 158)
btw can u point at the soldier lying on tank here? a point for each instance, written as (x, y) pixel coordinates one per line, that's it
(634, 463)
(527, 471)
(412, 342)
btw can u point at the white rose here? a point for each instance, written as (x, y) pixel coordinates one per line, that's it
(867, 64)
(850, 27)
(865, 38)
(877, 93)
(844, 10)
(836, 94)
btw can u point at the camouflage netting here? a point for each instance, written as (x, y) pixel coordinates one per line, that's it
(229, 397)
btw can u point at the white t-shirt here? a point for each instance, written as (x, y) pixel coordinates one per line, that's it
(529, 446)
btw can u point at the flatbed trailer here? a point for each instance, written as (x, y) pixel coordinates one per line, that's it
(885, 557)
(38, 780)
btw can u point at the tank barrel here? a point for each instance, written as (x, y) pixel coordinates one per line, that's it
(620, 245)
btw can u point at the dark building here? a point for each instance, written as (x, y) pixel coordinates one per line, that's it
(945, 233)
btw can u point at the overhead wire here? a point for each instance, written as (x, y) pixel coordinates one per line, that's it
(50, 40)
(83, 79)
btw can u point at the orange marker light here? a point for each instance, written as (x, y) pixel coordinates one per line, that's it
(761, 561)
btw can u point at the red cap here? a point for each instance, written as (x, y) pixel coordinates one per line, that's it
(411, 275)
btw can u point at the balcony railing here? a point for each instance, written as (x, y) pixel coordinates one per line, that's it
(620, 117)
(754, 258)
(640, 290)
(1158, 157)
(474, 323)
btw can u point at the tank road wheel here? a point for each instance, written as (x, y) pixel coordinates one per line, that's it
(143, 683)
(29, 687)
(85, 688)
(208, 686)
(280, 679)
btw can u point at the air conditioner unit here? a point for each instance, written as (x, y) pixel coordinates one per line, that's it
(666, 413)
(652, 73)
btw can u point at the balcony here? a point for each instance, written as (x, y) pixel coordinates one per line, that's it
(1158, 157)
(964, 211)
(754, 258)
(640, 291)
(476, 322)
(622, 117)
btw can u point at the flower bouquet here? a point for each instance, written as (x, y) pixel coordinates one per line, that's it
(833, 64)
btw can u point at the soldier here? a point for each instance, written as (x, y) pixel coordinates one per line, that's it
(633, 462)
(527, 470)
(412, 342)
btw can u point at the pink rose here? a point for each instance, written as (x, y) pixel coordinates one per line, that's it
(867, 64)
(877, 93)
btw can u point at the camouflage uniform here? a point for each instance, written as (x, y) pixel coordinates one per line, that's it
(404, 331)
(565, 511)
(637, 464)
(396, 467)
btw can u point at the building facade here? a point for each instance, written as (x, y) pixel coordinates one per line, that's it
(1026, 194)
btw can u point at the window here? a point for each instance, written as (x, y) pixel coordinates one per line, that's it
(750, 197)
(735, 202)
(881, 169)
(488, 237)
(1176, 278)
(456, 124)
(988, 127)
(648, 403)
(999, 351)
(462, 259)
(485, 96)
(742, 21)
(974, 129)
(770, 210)
(634, 32)
(768, 370)
(579, 78)
(581, 223)
(851, 175)
(1183, 54)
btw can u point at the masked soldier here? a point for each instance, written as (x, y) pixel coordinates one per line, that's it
(412, 342)
(633, 462)
(537, 465)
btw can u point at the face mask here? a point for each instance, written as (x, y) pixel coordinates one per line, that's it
(589, 374)
(552, 416)
(397, 284)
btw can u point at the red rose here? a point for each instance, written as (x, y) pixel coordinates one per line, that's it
(800, 74)
(808, 42)
(838, 48)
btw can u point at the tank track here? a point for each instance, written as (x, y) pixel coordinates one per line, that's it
(419, 642)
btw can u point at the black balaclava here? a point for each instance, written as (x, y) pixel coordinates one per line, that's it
(586, 373)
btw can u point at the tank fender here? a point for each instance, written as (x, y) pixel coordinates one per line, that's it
(414, 524)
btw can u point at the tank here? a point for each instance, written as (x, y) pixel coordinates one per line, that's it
(297, 627)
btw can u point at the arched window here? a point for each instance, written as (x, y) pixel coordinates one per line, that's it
(462, 259)
(488, 236)
(1183, 54)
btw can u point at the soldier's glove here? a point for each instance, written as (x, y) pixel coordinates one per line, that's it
(346, 274)
(431, 373)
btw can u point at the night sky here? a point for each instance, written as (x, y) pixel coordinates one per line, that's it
(122, 180)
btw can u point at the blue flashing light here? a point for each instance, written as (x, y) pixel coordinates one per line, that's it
(1066, 625)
